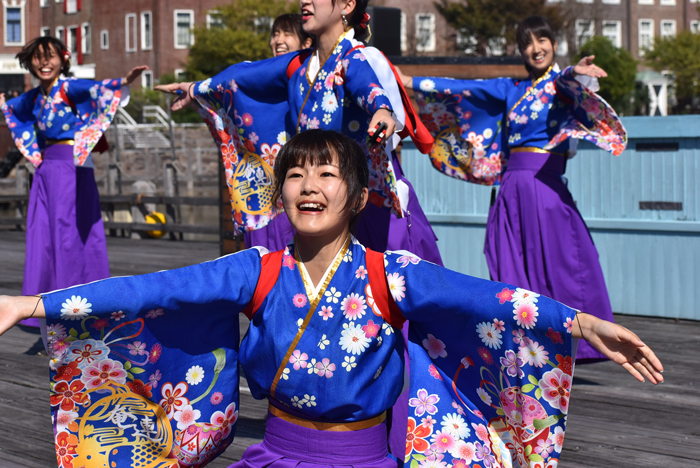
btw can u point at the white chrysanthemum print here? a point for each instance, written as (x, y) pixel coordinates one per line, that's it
(282, 138)
(330, 102)
(489, 334)
(353, 340)
(521, 296)
(427, 85)
(483, 394)
(26, 135)
(354, 126)
(455, 425)
(396, 286)
(75, 308)
(194, 375)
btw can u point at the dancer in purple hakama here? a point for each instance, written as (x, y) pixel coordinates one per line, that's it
(56, 126)
(535, 236)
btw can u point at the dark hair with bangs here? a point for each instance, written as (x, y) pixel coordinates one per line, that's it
(319, 147)
(42, 46)
(533, 25)
(291, 22)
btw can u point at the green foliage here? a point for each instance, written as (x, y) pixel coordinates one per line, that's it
(243, 34)
(493, 20)
(681, 56)
(621, 67)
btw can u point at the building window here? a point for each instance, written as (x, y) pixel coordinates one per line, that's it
(72, 39)
(184, 22)
(45, 31)
(104, 39)
(668, 2)
(611, 2)
(695, 26)
(585, 30)
(646, 2)
(44, 4)
(404, 28)
(71, 6)
(584, 1)
(180, 74)
(613, 31)
(425, 32)
(668, 29)
(86, 39)
(130, 28)
(13, 26)
(61, 33)
(146, 30)
(646, 35)
(147, 79)
(562, 45)
(215, 20)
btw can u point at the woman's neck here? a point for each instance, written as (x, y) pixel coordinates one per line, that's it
(327, 40)
(318, 254)
(46, 85)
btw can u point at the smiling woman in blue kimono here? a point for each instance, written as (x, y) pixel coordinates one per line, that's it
(252, 109)
(56, 126)
(145, 369)
(520, 133)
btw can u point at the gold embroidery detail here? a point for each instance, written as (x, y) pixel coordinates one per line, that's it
(533, 149)
(312, 307)
(534, 85)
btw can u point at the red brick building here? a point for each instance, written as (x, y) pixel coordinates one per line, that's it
(19, 24)
(108, 38)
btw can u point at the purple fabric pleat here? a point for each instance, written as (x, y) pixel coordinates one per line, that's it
(65, 236)
(287, 445)
(376, 228)
(537, 239)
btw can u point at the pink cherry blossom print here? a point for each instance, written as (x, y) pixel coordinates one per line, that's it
(435, 347)
(424, 403)
(371, 329)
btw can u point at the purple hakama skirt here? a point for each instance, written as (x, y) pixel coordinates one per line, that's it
(287, 445)
(65, 236)
(376, 228)
(537, 239)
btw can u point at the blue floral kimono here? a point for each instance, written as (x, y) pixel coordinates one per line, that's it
(252, 109)
(79, 110)
(477, 122)
(145, 369)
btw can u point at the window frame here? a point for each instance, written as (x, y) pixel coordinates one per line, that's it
(175, 25)
(640, 47)
(579, 36)
(104, 44)
(134, 34)
(146, 34)
(144, 75)
(618, 37)
(431, 45)
(661, 28)
(22, 39)
(86, 38)
(45, 31)
(210, 15)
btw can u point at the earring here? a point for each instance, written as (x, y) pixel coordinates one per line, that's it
(345, 20)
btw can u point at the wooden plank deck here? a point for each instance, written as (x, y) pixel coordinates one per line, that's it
(613, 421)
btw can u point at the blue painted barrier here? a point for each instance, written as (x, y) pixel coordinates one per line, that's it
(650, 256)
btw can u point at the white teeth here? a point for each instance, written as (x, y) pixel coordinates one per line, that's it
(311, 206)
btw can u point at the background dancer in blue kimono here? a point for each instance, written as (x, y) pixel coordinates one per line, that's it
(56, 126)
(252, 108)
(521, 133)
(491, 364)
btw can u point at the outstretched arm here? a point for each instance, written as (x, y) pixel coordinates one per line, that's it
(620, 345)
(133, 74)
(585, 66)
(15, 309)
(184, 90)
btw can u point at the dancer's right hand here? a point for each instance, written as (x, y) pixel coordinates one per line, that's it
(183, 99)
(2, 99)
(15, 309)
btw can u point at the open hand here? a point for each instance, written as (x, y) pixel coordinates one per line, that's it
(622, 346)
(182, 90)
(133, 74)
(586, 67)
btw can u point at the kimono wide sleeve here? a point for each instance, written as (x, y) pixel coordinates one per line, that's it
(491, 368)
(95, 104)
(466, 118)
(247, 111)
(144, 370)
(590, 117)
(21, 121)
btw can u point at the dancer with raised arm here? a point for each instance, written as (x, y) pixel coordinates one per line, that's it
(253, 108)
(521, 132)
(56, 126)
(490, 372)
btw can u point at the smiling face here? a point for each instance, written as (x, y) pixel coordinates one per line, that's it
(314, 199)
(282, 42)
(47, 64)
(320, 16)
(539, 54)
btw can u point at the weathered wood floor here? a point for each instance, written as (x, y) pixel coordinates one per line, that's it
(614, 421)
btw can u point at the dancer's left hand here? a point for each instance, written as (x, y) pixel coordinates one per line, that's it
(585, 66)
(383, 115)
(133, 74)
(182, 90)
(620, 345)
